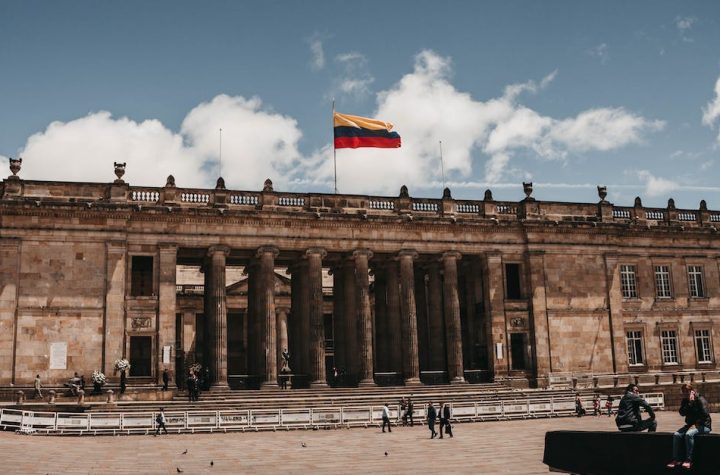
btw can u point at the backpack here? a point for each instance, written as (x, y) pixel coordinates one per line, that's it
(159, 418)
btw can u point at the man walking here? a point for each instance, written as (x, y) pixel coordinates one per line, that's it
(38, 388)
(386, 418)
(160, 421)
(431, 416)
(445, 420)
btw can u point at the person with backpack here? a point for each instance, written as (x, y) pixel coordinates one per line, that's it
(160, 422)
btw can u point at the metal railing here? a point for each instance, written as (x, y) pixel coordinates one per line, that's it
(112, 423)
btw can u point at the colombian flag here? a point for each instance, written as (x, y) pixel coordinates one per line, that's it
(353, 132)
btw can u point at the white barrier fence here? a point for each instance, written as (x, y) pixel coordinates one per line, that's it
(281, 419)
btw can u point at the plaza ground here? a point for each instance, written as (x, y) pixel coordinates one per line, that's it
(490, 447)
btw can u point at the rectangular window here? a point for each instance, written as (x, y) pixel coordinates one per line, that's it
(142, 276)
(627, 282)
(695, 278)
(668, 341)
(512, 281)
(635, 349)
(662, 282)
(702, 346)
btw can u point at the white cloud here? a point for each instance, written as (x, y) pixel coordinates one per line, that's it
(427, 108)
(317, 60)
(684, 25)
(656, 186)
(354, 80)
(256, 145)
(711, 112)
(600, 51)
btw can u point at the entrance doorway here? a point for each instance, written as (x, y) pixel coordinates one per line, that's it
(517, 351)
(140, 356)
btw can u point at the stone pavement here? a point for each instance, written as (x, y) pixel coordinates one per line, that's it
(491, 447)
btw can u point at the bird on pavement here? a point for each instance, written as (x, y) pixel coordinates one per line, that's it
(184, 452)
(212, 463)
(303, 444)
(178, 470)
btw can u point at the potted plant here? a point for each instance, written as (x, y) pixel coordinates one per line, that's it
(98, 380)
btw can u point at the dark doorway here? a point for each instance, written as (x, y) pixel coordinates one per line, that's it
(140, 356)
(235, 349)
(517, 351)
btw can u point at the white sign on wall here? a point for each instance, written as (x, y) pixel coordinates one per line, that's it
(498, 350)
(166, 354)
(58, 355)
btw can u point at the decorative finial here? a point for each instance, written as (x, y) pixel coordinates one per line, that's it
(528, 189)
(703, 205)
(602, 192)
(671, 203)
(446, 194)
(638, 202)
(404, 192)
(170, 183)
(119, 170)
(488, 195)
(268, 185)
(15, 164)
(220, 185)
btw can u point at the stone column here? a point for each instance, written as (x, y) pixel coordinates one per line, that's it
(422, 327)
(495, 306)
(381, 320)
(9, 280)
(436, 324)
(615, 315)
(364, 317)
(339, 324)
(281, 326)
(394, 327)
(317, 329)
(266, 307)
(167, 291)
(253, 354)
(114, 317)
(408, 318)
(539, 318)
(452, 317)
(216, 316)
(350, 314)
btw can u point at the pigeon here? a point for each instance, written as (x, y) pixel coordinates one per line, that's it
(178, 470)
(212, 463)
(385, 454)
(184, 452)
(303, 444)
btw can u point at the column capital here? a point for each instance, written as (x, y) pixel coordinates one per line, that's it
(315, 251)
(279, 310)
(362, 252)
(112, 246)
(267, 250)
(451, 255)
(212, 250)
(411, 253)
(169, 247)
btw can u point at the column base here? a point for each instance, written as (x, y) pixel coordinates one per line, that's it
(458, 380)
(269, 385)
(219, 386)
(366, 383)
(414, 381)
(318, 384)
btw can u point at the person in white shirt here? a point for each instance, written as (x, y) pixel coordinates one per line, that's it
(386, 418)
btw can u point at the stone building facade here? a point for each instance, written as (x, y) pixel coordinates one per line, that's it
(390, 289)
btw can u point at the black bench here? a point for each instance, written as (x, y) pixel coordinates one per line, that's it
(638, 453)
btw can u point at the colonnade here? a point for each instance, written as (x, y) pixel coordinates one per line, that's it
(367, 340)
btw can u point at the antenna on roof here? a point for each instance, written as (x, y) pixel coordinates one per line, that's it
(442, 166)
(220, 154)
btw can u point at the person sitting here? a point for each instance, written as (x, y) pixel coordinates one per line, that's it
(628, 417)
(697, 421)
(73, 384)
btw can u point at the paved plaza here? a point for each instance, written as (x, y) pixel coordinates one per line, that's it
(491, 447)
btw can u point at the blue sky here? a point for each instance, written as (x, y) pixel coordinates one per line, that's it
(566, 94)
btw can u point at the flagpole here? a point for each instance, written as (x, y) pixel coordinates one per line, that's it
(334, 149)
(220, 155)
(442, 166)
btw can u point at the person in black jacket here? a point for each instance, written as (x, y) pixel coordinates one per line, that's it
(697, 421)
(445, 420)
(628, 417)
(431, 416)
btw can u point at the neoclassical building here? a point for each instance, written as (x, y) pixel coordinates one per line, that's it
(389, 290)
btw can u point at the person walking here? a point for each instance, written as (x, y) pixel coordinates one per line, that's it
(609, 405)
(697, 421)
(403, 411)
(160, 422)
(38, 388)
(445, 420)
(386, 418)
(596, 405)
(431, 416)
(409, 412)
(579, 409)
